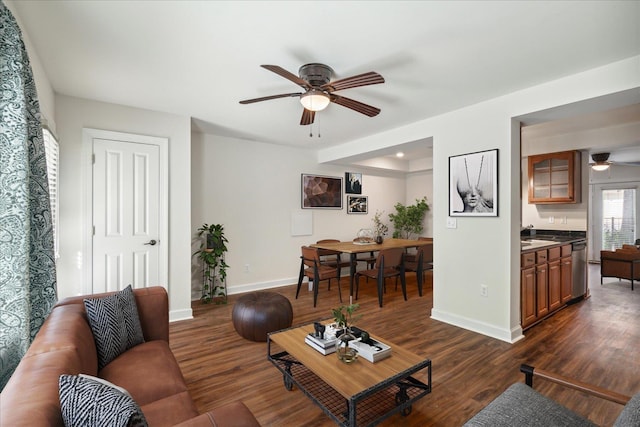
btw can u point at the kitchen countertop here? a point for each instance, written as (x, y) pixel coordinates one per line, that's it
(542, 239)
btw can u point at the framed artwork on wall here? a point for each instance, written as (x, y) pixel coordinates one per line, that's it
(352, 183)
(357, 204)
(321, 192)
(473, 184)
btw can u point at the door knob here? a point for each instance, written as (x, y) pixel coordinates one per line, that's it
(151, 242)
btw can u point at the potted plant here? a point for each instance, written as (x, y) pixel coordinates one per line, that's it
(212, 250)
(379, 227)
(345, 318)
(408, 220)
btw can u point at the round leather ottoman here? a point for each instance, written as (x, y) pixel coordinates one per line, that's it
(258, 313)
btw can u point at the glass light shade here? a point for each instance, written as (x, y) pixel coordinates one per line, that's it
(600, 167)
(314, 100)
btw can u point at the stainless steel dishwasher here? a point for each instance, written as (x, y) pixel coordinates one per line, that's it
(579, 269)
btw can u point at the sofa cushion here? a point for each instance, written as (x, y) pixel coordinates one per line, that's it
(115, 324)
(85, 401)
(148, 371)
(522, 406)
(630, 415)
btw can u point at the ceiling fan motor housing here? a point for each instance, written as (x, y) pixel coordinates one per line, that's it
(600, 157)
(316, 74)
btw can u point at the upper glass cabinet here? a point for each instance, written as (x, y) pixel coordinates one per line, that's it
(554, 177)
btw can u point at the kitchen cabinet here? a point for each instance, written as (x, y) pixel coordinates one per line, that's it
(545, 282)
(554, 178)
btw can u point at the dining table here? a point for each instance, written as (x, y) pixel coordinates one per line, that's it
(353, 248)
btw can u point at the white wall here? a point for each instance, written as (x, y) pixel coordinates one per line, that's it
(74, 114)
(487, 250)
(252, 188)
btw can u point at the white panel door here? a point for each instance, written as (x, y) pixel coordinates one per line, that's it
(126, 194)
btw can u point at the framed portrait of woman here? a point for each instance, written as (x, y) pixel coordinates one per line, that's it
(473, 184)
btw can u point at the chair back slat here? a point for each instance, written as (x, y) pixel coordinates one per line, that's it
(392, 257)
(310, 256)
(427, 253)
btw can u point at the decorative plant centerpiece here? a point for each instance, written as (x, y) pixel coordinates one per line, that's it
(345, 318)
(380, 227)
(212, 250)
(408, 220)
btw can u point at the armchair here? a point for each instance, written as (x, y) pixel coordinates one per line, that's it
(623, 263)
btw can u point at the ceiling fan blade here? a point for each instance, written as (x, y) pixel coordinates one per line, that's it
(358, 106)
(266, 98)
(307, 117)
(370, 78)
(287, 75)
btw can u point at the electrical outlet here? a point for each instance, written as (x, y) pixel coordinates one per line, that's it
(551, 220)
(484, 291)
(452, 223)
(246, 268)
(563, 220)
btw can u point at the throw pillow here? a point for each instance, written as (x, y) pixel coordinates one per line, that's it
(115, 324)
(87, 402)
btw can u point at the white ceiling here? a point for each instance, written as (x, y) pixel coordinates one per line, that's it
(199, 58)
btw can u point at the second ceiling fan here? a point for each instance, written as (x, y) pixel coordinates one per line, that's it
(315, 79)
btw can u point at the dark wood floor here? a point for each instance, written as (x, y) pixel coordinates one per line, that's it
(596, 341)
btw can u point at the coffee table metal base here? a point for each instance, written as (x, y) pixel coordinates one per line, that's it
(368, 408)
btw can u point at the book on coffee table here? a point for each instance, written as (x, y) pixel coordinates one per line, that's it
(372, 351)
(321, 345)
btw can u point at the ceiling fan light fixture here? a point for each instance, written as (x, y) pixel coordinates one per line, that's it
(599, 167)
(315, 100)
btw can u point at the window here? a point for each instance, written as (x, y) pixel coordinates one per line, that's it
(52, 152)
(618, 218)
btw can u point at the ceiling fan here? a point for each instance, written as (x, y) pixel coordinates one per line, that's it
(601, 162)
(319, 90)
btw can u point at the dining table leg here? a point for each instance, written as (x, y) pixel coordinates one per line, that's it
(352, 273)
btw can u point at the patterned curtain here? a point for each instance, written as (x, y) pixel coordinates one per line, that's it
(27, 265)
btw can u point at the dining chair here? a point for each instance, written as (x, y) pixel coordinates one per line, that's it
(420, 262)
(332, 258)
(311, 267)
(388, 264)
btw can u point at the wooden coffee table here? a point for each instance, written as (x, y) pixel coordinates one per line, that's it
(361, 393)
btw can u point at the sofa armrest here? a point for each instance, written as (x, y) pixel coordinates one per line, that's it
(153, 309)
(530, 372)
(234, 414)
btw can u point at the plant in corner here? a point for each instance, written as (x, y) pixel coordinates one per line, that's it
(407, 220)
(211, 252)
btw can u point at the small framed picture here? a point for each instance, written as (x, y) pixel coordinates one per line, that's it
(473, 184)
(357, 204)
(352, 183)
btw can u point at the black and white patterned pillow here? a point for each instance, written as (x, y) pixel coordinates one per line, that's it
(115, 324)
(88, 401)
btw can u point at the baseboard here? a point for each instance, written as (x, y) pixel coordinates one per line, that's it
(510, 336)
(258, 286)
(176, 315)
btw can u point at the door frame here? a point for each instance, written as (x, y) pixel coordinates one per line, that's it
(86, 261)
(596, 213)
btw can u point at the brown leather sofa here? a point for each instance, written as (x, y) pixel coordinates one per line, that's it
(623, 263)
(148, 371)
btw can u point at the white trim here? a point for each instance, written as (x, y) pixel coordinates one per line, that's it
(177, 315)
(510, 336)
(88, 135)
